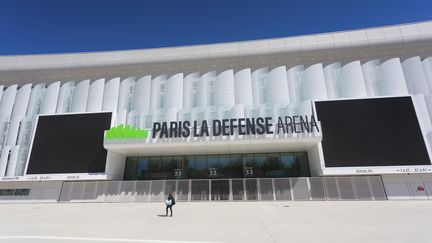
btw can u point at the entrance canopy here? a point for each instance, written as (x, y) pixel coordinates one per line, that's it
(265, 143)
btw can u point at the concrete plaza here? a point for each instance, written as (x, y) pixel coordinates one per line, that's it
(348, 221)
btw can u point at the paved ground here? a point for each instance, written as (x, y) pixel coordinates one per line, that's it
(384, 221)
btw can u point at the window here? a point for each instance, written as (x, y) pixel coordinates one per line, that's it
(270, 165)
(131, 168)
(14, 192)
(155, 168)
(7, 192)
(22, 192)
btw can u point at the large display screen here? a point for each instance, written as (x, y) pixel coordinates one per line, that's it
(70, 143)
(371, 132)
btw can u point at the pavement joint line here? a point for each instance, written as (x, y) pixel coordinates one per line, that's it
(36, 237)
(267, 230)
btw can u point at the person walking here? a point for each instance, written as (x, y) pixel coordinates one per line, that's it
(170, 202)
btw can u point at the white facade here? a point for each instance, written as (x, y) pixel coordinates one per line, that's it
(223, 91)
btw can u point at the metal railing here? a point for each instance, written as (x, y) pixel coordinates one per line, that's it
(247, 189)
(250, 189)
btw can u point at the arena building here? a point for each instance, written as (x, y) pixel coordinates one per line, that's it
(333, 116)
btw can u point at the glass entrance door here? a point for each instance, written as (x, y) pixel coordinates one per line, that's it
(219, 190)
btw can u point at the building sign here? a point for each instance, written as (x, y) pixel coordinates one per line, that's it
(240, 126)
(249, 171)
(178, 173)
(212, 172)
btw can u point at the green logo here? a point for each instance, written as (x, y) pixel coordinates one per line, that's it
(126, 132)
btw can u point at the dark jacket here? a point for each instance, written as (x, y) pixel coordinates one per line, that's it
(170, 197)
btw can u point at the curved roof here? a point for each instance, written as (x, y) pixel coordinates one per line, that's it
(365, 44)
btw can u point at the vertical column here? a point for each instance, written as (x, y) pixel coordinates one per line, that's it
(244, 190)
(273, 189)
(21, 101)
(141, 102)
(35, 101)
(331, 75)
(415, 76)
(203, 88)
(125, 94)
(12, 164)
(1, 91)
(190, 91)
(4, 157)
(125, 99)
(95, 95)
(157, 97)
(24, 139)
(7, 102)
(18, 113)
(64, 101)
(141, 95)
(313, 83)
(224, 89)
(243, 87)
(427, 68)
(277, 86)
(390, 78)
(6, 106)
(230, 198)
(111, 94)
(190, 191)
(49, 102)
(294, 76)
(80, 96)
(370, 75)
(351, 82)
(173, 99)
(259, 89)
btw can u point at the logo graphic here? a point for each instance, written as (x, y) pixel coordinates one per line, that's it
(126, 132)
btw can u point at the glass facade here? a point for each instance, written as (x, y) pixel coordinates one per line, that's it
(218, 166)
(14, 192)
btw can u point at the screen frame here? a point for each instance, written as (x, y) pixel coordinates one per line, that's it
(396, 169)
(63, 176)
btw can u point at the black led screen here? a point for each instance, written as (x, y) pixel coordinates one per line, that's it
(371, 132)
(69, 144)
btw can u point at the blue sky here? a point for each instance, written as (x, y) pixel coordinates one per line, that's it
(59, 26)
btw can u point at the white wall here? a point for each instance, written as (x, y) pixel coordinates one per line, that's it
(283, 90)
